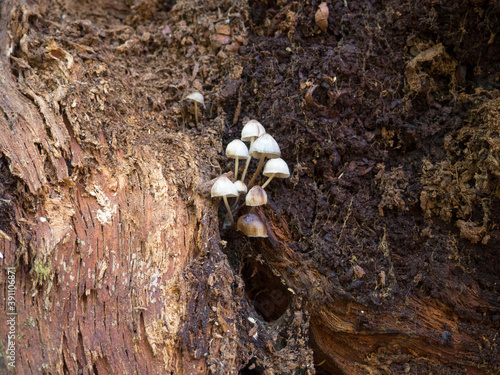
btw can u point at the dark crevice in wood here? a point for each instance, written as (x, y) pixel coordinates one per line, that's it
(264, 290)
(251, 368)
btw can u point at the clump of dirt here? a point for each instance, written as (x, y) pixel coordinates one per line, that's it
(428, 63)
(465, 187)
(392, 185)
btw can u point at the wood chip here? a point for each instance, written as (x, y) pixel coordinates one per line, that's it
(360, 272)
(5, 235)
(309, 98)
(321, 17)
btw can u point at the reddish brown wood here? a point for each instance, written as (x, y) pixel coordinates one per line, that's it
(120, 266)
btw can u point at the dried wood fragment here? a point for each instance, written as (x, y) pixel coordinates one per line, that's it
(321, 17)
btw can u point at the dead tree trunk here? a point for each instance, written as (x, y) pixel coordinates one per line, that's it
(112, 257)
(116, 256)
(109, 260)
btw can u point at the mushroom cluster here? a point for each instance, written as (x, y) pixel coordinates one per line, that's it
(262, 146)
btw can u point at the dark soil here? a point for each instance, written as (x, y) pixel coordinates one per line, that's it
(389, 121)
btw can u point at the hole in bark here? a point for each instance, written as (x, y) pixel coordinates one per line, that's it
(65, 366)
(84, 299)
(251, 368)
(142, 331)
(268, 295)
(39, 148)
(65, 351)
(80, 352)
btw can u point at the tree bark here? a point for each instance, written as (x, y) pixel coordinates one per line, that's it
(118, 260)
(106, 251)
(118, 267)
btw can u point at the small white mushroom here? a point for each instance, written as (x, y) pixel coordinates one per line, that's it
(264, 146)
(256, 197)
(252, 226)
(224, 188)
(241, 187)
(275, 168)
(237, 150)
(196, 97)
(251, 131)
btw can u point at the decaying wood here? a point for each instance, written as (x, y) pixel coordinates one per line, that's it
(120, 266)
(115, 273)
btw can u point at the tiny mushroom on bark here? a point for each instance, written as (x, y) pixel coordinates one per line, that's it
(224, 188)
(251, 131)
(196, 97)
(275, 168)
(241, 187)
(237, 150)
(264, 146)
(256, 197)
(252, 226)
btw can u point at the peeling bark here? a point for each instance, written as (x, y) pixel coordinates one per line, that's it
(119, 261)
(116, 272)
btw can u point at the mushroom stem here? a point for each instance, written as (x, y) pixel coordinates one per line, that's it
(268, 180)
(196, 113)
(235, 204)
(259, 167)
(245, 170)
(248, 162)
(228, 210)
(236, 169)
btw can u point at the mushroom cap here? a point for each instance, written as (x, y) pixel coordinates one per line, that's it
(241, 187)
(252, 129)
(252, 225)
(256, 196)
(197, 97)
(276, 167)
(238, 149)
(224, 187)
(266, 146)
